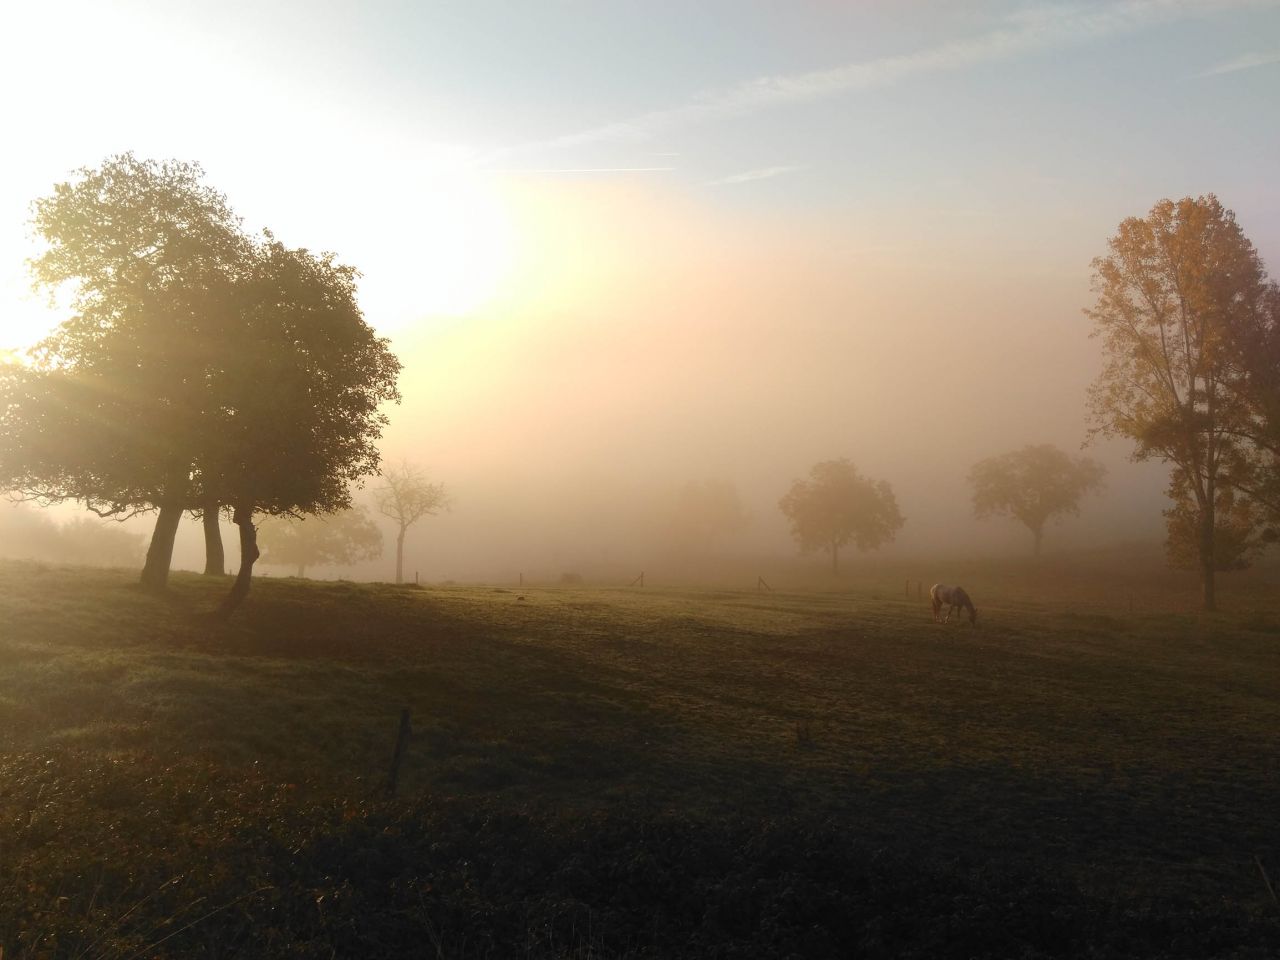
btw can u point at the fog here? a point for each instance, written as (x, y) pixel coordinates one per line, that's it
(67, 536)
(647, 348)
(651, 340)
(612, 269)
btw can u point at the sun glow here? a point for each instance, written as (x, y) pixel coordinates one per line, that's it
(435, 245)
(454, 249)
(27, 318)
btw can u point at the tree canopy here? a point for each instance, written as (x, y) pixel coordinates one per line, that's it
(145, 257)
(1033, 485)
(1176, 296)
(836, 505)
(201, 367)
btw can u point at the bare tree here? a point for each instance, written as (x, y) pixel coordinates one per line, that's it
(406, 496)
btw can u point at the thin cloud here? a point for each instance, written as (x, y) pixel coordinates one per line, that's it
(1246, 61)
(583, 169)
(764, 173)
(1036, 28)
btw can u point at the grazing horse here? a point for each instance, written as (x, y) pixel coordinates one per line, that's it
(955, 598)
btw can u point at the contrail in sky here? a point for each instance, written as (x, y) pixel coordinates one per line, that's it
(1246, 61)
(1036, 28)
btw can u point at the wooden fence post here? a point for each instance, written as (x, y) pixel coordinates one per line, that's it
(402, 741)
(1267, 880)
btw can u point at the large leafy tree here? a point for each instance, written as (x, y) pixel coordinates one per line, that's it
(341, 538)
(200, 368)
(405, 497)
(837, 505)
(1033, 485)
(298, 386)
(111, 410)
(1173, 296)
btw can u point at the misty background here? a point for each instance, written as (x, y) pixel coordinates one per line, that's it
(862, 233)
(565, 436)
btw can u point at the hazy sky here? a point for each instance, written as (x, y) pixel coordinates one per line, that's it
(663, 241)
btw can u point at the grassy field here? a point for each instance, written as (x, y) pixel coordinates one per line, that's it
(608, 772)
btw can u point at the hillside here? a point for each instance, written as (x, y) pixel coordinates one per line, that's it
(612, 772)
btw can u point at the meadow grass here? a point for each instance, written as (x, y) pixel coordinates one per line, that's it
(816, 771)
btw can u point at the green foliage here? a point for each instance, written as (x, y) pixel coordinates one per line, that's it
(837, 505)
(299, 378)
(341, 538)
(146, 258)
(1033, 485)
(200, 366)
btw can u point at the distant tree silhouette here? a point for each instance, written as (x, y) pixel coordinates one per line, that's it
(406, 496)
(341, 538)
(1176, 295)
(32, 534)
(200, 368)
(836, 505)
(705, 511)
(1033, 485)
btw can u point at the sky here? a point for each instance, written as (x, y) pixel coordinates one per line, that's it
(621, 246)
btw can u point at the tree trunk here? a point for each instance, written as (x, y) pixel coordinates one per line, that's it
(302, 570)
(155, 572)
(248, 556)
(1208, 569)
(400, 556)
(1038, 533)
(215, 557)
(835, 558)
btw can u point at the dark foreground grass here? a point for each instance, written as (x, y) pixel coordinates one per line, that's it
(600, 773)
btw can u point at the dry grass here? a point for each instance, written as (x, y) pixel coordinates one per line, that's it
(1129, 755)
